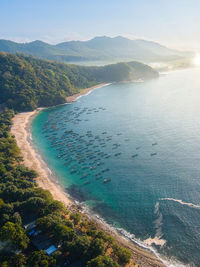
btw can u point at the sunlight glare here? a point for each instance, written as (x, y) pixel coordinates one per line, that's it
(196, 60)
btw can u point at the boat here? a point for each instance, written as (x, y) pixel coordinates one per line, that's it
(85, 183)
(106, 181)
(154, 144)
(105, 170)
(84, 176)
(153, 154)
(135, 155)
(93, 168)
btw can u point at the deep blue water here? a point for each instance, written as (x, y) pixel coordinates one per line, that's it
(144, 138)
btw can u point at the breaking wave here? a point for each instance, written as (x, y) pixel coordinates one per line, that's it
(195, 206)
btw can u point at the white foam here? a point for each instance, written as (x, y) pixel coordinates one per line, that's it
(157, 240)
(181, 202)
(91, 91)
(131, 237)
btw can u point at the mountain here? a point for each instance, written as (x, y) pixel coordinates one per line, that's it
(105, 49)
(27, 82)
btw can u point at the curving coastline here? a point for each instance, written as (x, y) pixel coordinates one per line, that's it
(85, 92)
(21, 129)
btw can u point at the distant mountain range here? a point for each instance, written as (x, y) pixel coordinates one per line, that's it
(105, 49)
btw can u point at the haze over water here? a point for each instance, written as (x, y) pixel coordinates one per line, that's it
(146, 139)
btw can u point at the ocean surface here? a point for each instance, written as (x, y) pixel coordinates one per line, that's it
(131, 152)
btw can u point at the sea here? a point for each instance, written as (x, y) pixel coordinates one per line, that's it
(130, 153)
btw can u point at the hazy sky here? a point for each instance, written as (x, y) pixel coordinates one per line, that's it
(175, 23)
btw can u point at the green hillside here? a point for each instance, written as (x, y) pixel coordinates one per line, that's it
(27, 83)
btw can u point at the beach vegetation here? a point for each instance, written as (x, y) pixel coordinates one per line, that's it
(23, 203)
(40, 259)
(15, 234)
(75, 217)
(123, 254)
(102, 261)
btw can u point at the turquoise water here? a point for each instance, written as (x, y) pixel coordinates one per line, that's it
(131, 151)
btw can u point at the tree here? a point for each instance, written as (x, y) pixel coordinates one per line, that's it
(97, 247)
(1, 202)
(63, 233)
(76, 217)
(2, 169)
(55, 206)
(123, 254)
(78, 248)
(40, 259)
(102, 261)
(19, 260)
(49, 222)
(14, 233)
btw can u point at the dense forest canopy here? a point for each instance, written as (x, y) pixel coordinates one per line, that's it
(27, 83)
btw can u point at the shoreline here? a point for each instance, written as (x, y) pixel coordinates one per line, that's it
(21, 129)
(85, 92)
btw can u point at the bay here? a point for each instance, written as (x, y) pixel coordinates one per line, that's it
(131, 152)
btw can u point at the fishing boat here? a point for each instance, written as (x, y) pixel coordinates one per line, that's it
(154, 144)
(105, 170)
(93, 168)
(135, 155)
(153, 154)
(106, 181)
(85, 183)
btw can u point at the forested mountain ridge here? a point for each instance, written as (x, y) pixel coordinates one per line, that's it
(27, 83)
(101, 48)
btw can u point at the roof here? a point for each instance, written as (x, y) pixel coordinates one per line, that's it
(31, 232)
(50, 250)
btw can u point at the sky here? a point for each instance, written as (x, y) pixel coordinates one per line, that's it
(175, 23)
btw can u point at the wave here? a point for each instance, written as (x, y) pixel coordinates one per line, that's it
(159, 221)
(157, 240)
(77, 98)
(181, 202)
(131, 237)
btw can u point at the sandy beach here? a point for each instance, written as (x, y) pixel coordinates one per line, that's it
(22, 132)
(85, 92)
(21, 129)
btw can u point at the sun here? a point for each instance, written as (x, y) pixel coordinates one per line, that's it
(196, 60)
